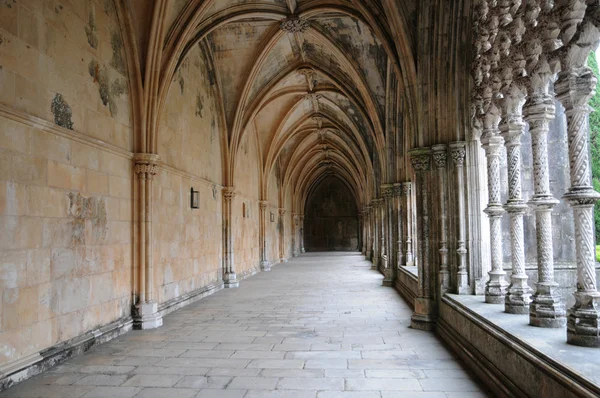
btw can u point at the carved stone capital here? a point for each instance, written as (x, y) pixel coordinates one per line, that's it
(398, 189)
(420, 159)
(228, 193)
(575, 87)
(440, 156)
(294, 24)
(387, 191)
(281, 211)
(458, 152)
(406, 187)
(145, 165)
(263, 204)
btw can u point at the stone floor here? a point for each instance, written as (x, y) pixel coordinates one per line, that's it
(320, 326)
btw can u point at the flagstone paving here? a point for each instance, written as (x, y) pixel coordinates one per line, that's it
(319, 326)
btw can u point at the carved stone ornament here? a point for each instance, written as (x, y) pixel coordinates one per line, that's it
(145, 165)
(398, 189)
(294, 24)
(228, 193)
(387, 191)
(406, 187)
(281, 212)
(440, 156)
(420, 159)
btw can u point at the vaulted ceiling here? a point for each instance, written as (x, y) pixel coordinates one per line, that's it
(315, 80)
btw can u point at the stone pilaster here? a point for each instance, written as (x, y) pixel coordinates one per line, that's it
(495, 288)
(281, 230)
(229, 275)
(301, 237)
(387, 191)
(397, 222)
(440, 159)
(458, 152)
(518, 296)
(375, 235)
(369, 232)
(265, 265)
(146, 315)
(408, 222)
(425, 307)
(546, 309)
(295, 240)
(574, 88)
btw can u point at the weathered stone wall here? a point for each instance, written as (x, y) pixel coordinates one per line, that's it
(272, 231)
(188, 246)
(65, 173)
(245, 227)
(331, 219)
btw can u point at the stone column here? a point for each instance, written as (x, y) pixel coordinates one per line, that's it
(383, 254)
(398, 223)
(546, 309)
(281, 230)
(425, 307)
(575, 87)
(146, 315)
(363, 231)
(262, 231)
(492, 143)
(440, 159)
(369, 229)
(294, 233)
(387, 192)
(376, 253)
(408, 223)
(518, 296)
(458, 152)
(301, 237)
(229, 276)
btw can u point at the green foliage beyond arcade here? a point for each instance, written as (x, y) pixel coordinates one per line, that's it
(595, 143)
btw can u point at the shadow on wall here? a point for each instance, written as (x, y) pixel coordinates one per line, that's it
(331, 217)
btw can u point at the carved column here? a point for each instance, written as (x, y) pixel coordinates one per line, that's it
(375, 217)
(492, 143)
(574, 88)
(369, 229)
(546, 309)
(301, 237)
(440, 159)
(398, 223)
(383, 233)
(229, 276)
(262, 231)
(425, 307)
(408, 222)
(387, 191)
(281, 229)
(146, 315)
(458, 152)
(518, 296)
(363, 231)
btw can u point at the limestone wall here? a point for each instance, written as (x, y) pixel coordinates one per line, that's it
(188, 245)
(245, 227)
(65, 174)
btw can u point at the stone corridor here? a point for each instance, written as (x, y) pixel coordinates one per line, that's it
(318, 326)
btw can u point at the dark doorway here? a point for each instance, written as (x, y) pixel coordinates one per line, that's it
(331, 217)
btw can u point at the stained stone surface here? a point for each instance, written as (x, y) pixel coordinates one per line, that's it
(320, 326)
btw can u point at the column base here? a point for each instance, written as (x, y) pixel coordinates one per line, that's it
(583, 320)
(444, 281)
(283, 260)
(495, 288)
(265, 266)
(423, 318)
(230, 280)
(302, 251)
(518, 297)
(146, 316)
(375, 261)
(368, 255)
(546, 309)
(388, 278)
(462, 283)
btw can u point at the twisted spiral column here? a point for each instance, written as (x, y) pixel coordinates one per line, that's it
(495, 288)
(546, 308)
(574, 89)
(512, 127)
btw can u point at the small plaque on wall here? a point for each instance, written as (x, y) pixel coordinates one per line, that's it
(195, 198)
(272, 217)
